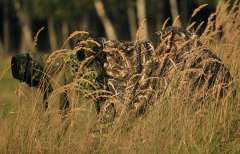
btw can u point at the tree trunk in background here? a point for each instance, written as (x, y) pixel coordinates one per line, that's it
(23, 15)
(81, 25)
(108, 26)
(6, 30)
(184, 13)
(141, 14)
(23, 45)
(84, 23)
(1, 49)
(65, 34)
(175, 12)
(52, 34)
(159, 16)
(73, 25)
(131, 20)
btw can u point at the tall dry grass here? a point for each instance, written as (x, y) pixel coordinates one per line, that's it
(171, 125)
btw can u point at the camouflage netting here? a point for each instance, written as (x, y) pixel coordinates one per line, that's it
(92, 68)
(138, 73)
(88, 64)
(179, 55)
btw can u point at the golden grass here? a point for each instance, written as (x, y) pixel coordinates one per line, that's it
(139, 31)
(72, 35)
(165, 22)
(36, 37)
(175, 20)
(198, 9)
(6, 68)
(171, 125)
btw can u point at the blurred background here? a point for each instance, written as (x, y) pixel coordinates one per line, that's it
(20, 20)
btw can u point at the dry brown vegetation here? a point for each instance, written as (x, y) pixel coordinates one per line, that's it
(171, 125)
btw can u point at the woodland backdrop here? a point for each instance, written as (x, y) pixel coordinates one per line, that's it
(20, 20)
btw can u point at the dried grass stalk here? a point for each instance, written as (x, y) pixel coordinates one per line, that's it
(36, 37)
(199, 26)
(165, 22)
(175, 20)
(74, 34)
(190, 26)
(95, 42)
(139, 31)
(83, 63)
(4, 71)
(52, 57)
(198, 9)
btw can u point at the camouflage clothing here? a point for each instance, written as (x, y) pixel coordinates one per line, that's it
(51, 72)
(33, 69)
(92, 69)
(180, 54)
(138, 73)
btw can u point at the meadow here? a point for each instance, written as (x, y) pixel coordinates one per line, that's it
(171, 124)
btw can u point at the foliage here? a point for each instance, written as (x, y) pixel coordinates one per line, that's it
(81, 15)
(91, 70)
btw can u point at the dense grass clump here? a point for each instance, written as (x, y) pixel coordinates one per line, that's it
(172, 124)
